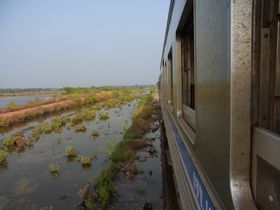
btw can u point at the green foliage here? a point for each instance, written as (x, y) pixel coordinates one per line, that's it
(122, 152)
(57, 123)
(37, 131)
(104, 116)
(70, 151)
(71, 90)
(47, 127)
(30, 142)
(3, 155)
(54, 167)
(85, 160)
(105, 188)
(10, 141)
(88, 114)
(3, 123)
(11, 104)
(76, 119)
(90, 99)
(110, 147)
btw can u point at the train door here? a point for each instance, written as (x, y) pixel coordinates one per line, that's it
(266, 104)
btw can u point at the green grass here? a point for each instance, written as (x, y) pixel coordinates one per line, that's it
(3, 123)
(70, 151)
(10, 141)
(123, 151)
(11, 104)
(36, 131)
(47, 127)
(85, 160)
(88, 114)
(104, 116)
(3, 155)
(54, 167)
(57, 123)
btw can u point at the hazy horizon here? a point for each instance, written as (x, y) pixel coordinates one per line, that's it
(53, 44)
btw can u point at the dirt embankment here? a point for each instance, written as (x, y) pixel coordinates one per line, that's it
(19, 116)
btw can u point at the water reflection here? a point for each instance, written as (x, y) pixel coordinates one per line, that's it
(28, 184)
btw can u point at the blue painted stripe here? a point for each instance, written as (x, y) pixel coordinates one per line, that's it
(198, 187)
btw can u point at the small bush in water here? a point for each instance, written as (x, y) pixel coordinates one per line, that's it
(85, 160)
(95, 133)
(104, 116)
(80, 128)
(47, 127)
(54, 167)
(3, 155)
(70, 151)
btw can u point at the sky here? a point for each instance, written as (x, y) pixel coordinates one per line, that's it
(58, 43)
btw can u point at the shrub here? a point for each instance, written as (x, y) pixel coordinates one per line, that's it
(70, 151)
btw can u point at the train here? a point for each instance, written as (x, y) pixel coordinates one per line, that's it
(219, 87)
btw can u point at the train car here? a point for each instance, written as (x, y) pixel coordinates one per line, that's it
(220, 92)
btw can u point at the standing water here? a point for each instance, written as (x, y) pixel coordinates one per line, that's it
(20, 99)
(25, 179)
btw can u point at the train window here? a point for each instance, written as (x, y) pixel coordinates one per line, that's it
(187, 53)
(170, 77)
(266, 104)
(267, 69)
(166, 82)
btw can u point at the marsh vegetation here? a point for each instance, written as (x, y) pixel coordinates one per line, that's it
(54, 140)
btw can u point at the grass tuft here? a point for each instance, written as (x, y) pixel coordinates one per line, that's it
(70, 151)
(54, 167)
(3, 155)
(85, 160)
(95, 133)
(104, 116)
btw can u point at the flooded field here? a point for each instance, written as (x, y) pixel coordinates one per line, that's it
(19, 100)
(25, 178)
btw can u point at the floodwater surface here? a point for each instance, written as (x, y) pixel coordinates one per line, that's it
(19, 100)
(25, 179)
